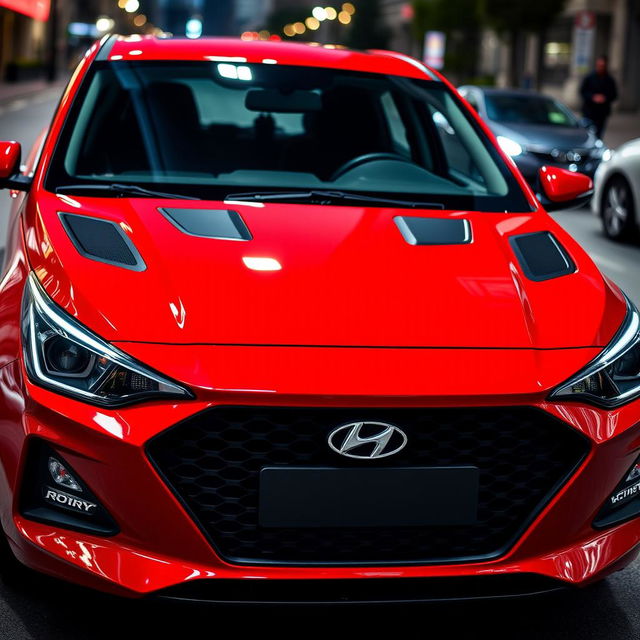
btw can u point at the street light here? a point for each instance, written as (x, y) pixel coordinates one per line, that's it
(131, 6)
(193, 28)
(319, 13)
(312, 23)
(104, 24)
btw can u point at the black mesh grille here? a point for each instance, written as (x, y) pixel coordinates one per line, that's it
(212, 461)
(101, 239)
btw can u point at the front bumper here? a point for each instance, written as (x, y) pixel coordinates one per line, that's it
(160, 550)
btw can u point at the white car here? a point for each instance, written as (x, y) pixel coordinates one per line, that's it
(616, 197)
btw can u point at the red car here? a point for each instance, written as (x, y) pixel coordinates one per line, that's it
(281, 322)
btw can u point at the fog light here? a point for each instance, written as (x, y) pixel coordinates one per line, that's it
(61, 475)
(624, 503)
(43, 499)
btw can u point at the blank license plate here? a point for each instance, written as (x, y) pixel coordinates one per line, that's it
(387, 497)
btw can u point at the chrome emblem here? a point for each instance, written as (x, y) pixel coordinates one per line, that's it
(367, 440)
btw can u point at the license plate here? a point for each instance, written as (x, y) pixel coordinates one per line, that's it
(384, 497)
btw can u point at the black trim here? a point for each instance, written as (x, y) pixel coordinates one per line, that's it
(418, 230)
(548, 249)
(17, 182)
(137, 264)
(33, 506)
(363, 590)
(215, 224)
(611, 515)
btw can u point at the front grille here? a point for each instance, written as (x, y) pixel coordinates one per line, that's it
(212, 462)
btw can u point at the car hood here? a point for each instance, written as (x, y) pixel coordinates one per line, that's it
(347, 278)
(546, 137)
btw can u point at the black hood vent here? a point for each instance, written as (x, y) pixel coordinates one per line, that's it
(434, 231)
(541, 256)
(102, 240)
(220, 224)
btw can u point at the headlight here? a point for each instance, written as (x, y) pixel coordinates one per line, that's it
(63, 355)
(613, 378)
(509, 146)
(601, 152)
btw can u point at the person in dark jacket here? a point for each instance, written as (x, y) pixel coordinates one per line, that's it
(598, 91)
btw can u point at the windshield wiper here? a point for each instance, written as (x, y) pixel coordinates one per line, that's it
(327, 196)
(122, 190)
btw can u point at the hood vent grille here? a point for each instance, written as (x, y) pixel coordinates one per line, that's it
(541, 256)
(102, 240)
(434, 231)
(220, 224)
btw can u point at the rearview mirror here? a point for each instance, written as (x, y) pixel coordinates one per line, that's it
(10, 177)
(272, 100)
(10, 153)
(563, 189)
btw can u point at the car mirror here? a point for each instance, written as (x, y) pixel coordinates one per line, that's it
(10, 153)
(273, 101)
(563, 189)
(10, 178)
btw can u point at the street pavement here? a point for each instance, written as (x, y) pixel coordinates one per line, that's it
(36, 607)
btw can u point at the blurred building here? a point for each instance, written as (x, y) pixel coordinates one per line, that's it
(586, 29)
(251, 14)
(216, 17)
(397, 16)
(40, 38)
(23, 37)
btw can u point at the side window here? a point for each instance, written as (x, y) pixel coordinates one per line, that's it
(459, 160)
(396, 127)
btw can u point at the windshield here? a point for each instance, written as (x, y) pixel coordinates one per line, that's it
(528, 109)
(210, 129)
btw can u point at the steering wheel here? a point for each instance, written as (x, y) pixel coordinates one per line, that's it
(364, 159)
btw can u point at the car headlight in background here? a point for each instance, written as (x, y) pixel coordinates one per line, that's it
(509, 146)
(613, 378)
(63, 355)
(601, 152)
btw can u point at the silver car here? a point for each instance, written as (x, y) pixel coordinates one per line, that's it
(616, 197)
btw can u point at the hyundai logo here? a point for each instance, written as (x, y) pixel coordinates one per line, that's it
(367, 440)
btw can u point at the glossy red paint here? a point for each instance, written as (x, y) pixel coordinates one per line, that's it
(295, 337)
(364, 259)
(9, 158)
(561, 185)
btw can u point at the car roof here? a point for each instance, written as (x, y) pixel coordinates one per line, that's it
(142, 48)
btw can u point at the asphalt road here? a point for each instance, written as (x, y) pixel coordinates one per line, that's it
(35, 607)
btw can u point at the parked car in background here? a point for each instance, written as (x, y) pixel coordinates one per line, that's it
(537, 130)
(617, 191)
